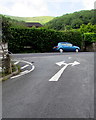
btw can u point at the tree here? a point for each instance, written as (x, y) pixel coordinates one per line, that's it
(75, 20)
(76, 23)
(5, 29)
(6, 60)
(87, 28)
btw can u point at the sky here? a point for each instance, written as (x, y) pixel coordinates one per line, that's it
(33, 8)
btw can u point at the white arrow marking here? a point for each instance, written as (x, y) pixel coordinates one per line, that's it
(61, 63)
(75, 63)
(59, 73)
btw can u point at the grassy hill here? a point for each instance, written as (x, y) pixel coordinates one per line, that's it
(40, 19)
(67, 21)
(73, 20)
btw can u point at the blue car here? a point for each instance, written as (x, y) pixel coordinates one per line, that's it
(65, 46)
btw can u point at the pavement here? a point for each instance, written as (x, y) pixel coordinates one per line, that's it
(33, 95)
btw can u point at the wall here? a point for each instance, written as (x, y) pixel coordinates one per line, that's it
(90, 47)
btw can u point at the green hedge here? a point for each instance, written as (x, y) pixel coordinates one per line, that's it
(40, 40)
(90, 37)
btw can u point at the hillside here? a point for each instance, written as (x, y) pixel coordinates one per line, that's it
(64, 22)
(72, 21)
(40, 19)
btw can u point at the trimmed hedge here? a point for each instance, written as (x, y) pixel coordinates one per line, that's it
(40, 40)
(90, 37)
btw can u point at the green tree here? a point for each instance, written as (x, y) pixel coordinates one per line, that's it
(5, 29)
(76, 23)
(75, 20)
(87, 28)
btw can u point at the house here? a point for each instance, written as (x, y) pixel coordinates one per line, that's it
(31, 24)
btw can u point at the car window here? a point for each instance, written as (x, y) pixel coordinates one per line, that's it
(63, 44)
(59, 44)
(70, 45)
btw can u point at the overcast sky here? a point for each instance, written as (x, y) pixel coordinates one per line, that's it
(32, 8)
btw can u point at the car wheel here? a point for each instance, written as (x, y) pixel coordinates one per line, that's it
(77, 50)
(61, 50)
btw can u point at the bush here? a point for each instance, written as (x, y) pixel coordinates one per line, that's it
(90, 37)
(40, 40)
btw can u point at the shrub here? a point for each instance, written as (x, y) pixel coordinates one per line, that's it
(40, 40)
(90, 37)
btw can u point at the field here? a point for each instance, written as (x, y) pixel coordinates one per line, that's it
(40, 19)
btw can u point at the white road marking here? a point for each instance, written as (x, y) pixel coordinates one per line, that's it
(25, 72)
(59, 73)
(61, 63)
(74, 63)
(69, 57)
(22, 73)
(16, 62)
(24, 66)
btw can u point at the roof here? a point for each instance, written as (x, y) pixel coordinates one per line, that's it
(30, 24)
(65, 42)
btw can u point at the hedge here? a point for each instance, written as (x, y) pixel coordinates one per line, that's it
(40, 40)
(90, 37)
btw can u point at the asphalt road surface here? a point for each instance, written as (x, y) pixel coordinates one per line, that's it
(34, 96)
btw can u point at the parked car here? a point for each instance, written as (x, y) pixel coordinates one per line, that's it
(66, 46)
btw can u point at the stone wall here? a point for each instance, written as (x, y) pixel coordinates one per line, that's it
(90, 47)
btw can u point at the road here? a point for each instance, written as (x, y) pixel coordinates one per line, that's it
(34, 96)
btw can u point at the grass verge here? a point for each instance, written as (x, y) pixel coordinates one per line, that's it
(15, 71)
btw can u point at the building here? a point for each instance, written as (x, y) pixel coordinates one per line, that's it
(31, 24)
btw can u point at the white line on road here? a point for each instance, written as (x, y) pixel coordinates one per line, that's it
(24, 67)
(26, 71)
(16, 62)
(69, 57)
(22, 73)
